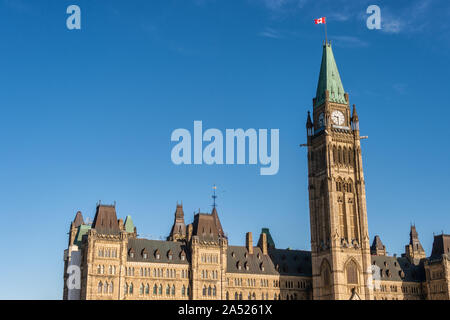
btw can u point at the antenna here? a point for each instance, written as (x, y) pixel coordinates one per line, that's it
(214, 196)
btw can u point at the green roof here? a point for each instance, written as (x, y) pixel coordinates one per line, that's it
(82, 230)
(129, 225)
(329, 79)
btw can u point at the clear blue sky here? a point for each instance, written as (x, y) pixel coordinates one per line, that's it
(87, 115)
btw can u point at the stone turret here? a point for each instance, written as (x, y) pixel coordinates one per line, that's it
(377, 248)
(414, 250)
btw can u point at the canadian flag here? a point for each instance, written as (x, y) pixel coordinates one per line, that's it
(320, 20)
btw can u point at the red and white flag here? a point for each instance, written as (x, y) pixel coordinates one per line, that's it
(320, 20)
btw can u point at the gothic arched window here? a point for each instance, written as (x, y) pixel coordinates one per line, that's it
(352, 273)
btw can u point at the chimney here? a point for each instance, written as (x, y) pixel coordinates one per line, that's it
(189, 232)
(249, 242)
(262, 243)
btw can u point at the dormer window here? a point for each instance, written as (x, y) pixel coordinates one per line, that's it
(144, 253)
(261, 266)
(246, 265)
(239, 266)
(157, 255)
(182, 256)
(131, 253)
(170, 255)
(258, 256)
(246, 255)
(233, 254)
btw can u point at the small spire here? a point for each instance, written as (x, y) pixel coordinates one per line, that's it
(355, 115)
(309, 123)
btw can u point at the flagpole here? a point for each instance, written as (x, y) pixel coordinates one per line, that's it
(326, 40)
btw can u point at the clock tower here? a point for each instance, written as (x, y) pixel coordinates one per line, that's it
(339, 233)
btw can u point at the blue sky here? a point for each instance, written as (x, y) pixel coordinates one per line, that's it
(87, 115)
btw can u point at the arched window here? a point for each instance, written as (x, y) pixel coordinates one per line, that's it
(147, 289)
(209, 291)
(100, 287)
(227, 296)
(352, 273)
(173, 289)
(131, 288)
(240, 295)
(167, 290)
(183, 290)
(214, 291)
(155, 289)
(126, 288)
(160, 289)
(204, 291)
(275, 296)
(236, 296)
(326, 274)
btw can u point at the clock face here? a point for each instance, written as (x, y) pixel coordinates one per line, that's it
(337, 117)
(321, 122)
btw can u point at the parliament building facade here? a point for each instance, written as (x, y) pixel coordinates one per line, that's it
(107, 260)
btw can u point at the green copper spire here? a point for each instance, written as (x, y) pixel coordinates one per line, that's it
(329, 79)
(129, 225)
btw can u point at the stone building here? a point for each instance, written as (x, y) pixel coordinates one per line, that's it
(107, 259)
(195, 262)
